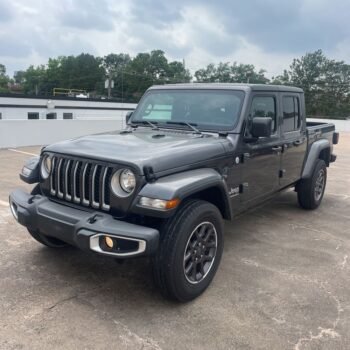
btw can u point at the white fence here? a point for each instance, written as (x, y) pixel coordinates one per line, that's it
(17, 133)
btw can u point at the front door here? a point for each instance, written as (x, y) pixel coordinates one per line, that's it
(261, 159)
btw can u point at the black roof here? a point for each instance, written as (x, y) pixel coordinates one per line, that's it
(229, 86)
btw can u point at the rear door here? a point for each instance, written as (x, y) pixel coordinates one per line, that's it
(294, 138)
(262, 159)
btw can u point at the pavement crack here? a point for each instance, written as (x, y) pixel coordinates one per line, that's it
(344, 262)
(130, 337)
(327, 333)
(305, 227)
(323, 333)
(59, 302)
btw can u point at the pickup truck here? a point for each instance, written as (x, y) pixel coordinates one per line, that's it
(190, 157)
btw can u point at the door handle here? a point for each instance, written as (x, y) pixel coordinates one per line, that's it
(277, 148)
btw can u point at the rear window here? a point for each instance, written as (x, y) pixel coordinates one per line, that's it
(291, 113)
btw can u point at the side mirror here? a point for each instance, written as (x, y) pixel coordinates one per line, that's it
(128, 116)
(261, 127)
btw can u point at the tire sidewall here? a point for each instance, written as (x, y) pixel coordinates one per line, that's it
(320, 165)
(185, 290)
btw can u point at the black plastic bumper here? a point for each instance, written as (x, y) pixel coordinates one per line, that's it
(79, 227)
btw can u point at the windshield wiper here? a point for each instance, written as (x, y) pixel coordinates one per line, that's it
(190, 125)
(145, 122)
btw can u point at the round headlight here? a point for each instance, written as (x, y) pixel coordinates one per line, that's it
(127, 180)
(123, 182)
(45, 168)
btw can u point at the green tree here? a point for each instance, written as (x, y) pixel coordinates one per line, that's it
(114, 66)
(283, 79)
(177, 73)
(4, 79)
(326, 84)
(147, 69)
(19, 77)
(34, 79)
(235, 73)
(82, 72)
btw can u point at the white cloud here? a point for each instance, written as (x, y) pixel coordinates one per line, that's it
(268, 34)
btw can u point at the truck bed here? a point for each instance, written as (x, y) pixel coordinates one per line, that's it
(318, 130)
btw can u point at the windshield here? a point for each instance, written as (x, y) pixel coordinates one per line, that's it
(206, 109)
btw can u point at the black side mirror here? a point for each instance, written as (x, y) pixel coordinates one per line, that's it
(128, 116)
(261, 127)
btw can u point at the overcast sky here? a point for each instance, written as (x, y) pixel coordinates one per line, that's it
(267, 33)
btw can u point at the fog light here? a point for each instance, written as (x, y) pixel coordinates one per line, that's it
(109, 242)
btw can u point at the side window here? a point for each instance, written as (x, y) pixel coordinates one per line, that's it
(291, 113)
(264, 106)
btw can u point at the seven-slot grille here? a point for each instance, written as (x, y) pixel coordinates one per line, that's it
(81, 182)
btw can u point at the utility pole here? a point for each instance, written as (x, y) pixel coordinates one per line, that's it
(122, 86)
(109, 84)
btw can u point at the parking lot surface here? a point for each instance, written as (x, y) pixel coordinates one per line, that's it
(283, 283)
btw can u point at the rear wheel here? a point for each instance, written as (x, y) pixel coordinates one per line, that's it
(44, 239)
(311, 191)
(190, 251)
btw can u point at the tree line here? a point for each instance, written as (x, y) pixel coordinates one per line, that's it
(326, 82)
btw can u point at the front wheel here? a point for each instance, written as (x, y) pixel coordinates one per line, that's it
(190, 251)
(311, 191)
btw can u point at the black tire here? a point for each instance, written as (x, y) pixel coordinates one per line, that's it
(195, 229)
(48, 241)
(311, 191)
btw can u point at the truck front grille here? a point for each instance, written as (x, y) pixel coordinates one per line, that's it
(81, 182)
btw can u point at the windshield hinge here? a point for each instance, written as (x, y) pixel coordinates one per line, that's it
(149, 174)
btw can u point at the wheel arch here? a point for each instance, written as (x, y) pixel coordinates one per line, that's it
(320, 149)
(216, 196)
(206, 184)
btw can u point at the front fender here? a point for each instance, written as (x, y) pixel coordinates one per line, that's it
(182, 186)
(30, 170)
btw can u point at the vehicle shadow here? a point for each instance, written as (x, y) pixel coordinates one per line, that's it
(104, 283)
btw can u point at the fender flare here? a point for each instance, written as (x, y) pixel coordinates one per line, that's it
(186, 184)
(31, 166)
(314, 153)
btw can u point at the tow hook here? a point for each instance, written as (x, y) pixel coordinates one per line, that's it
(94, 218)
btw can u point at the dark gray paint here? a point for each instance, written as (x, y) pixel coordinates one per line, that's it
(183, 184)
(140, 148)
(73, 225)
(314, 153)
(185, 163)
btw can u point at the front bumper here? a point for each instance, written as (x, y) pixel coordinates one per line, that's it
(81, 228)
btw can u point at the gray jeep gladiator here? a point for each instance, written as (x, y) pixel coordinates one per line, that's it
(191, 156)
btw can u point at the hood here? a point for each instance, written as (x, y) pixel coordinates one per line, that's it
(161, 149)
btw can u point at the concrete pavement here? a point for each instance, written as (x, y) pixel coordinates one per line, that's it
(283, 283)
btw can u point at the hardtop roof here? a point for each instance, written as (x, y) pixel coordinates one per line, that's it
(228, 86)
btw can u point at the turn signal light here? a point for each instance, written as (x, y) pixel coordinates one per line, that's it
(161, 204)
